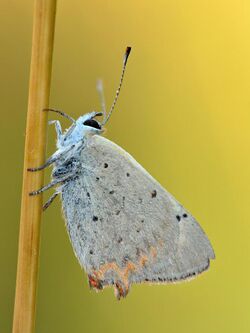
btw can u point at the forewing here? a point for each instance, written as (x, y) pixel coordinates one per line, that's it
(125, 227)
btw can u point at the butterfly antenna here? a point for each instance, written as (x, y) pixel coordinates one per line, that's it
(100, 90)
(62, 114)
(127, 52)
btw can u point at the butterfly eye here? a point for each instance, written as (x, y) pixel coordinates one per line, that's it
(92, 123)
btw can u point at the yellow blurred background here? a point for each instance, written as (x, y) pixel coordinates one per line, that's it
(183, 113)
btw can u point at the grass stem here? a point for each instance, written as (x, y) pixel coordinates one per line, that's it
(34, 155)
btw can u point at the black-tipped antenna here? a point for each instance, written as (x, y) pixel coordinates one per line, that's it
(127, 52)
(61, 113)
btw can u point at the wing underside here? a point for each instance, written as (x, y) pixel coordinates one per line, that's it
(125, 227)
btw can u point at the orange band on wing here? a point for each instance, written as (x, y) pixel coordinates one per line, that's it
(125, 272)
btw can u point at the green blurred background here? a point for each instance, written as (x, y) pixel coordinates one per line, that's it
(183, 113)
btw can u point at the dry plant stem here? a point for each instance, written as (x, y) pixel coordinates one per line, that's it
(31, 207)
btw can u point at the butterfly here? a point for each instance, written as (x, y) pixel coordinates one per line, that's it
(124, 227)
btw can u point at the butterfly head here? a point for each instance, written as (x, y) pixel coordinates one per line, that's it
(84, 126)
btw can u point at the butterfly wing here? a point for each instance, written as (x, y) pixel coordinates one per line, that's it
(125, 227)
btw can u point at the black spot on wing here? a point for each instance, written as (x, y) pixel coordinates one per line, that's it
(95, 218)
(106, 165)
(178, 218)
(153, 194)
(126, 259)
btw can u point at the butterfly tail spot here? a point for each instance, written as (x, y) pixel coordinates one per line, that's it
(95, 283)
(121, 290)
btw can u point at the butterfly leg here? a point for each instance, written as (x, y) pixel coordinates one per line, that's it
(58, 129)
(49, 161)
(52, 159)
(49, 202)
(99, 87)
(48, 186)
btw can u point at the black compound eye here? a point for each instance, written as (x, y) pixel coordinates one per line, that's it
(92, 123)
